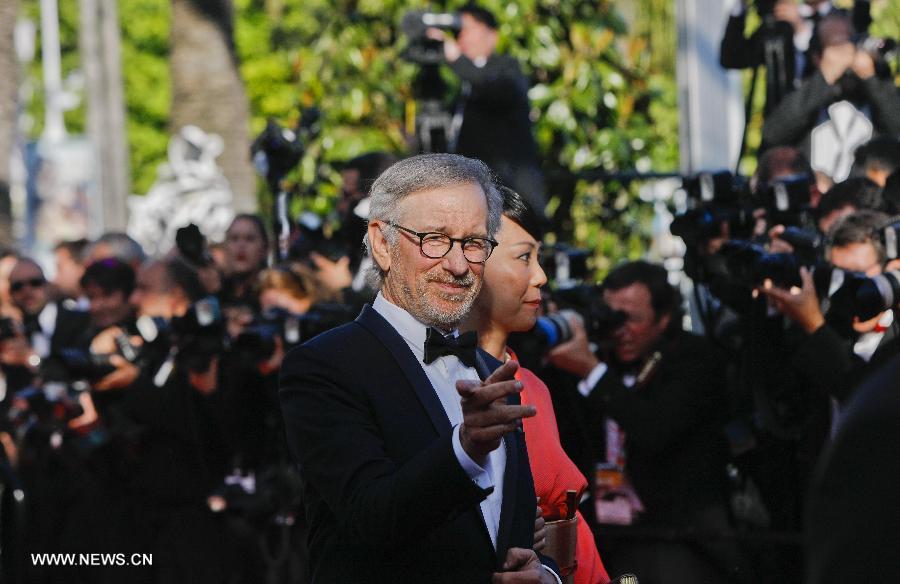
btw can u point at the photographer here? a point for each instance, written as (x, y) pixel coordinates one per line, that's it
(780, 43)
(837, 361)
(47, 326)
(848, 99)
(655, 403)
(496, 127)
(171, 397)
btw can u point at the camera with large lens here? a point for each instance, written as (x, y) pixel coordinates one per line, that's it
(585, 303)
(421, 49)
(50, 405)
(258, 341)
(787, 201)
(716, 205)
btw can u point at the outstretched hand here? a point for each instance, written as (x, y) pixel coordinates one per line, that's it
(486, 415)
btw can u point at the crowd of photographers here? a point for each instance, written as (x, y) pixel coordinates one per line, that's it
(139, 403)
(139, 396)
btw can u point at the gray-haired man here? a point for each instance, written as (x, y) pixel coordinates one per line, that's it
(412, 466)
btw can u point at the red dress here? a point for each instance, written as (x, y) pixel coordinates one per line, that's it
(554, 473)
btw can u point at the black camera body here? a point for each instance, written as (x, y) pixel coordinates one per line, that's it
(257, 342)
(421, 49)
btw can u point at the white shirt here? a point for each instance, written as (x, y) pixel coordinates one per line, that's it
(40, 341)
(443, 374)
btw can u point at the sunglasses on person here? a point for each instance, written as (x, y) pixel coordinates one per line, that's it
(19, 285)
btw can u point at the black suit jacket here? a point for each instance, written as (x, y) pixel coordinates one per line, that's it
(385, 497)
(676, 451)
(496, 127)
(854, 511)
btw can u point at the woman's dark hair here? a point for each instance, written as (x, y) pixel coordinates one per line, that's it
(516, 208)
(110, 274)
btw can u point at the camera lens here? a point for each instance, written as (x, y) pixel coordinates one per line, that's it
(554, 329)
(878, 294)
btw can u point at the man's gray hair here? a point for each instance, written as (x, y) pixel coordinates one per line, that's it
(422, 173)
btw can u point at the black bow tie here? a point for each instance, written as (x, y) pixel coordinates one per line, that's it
(463, 346)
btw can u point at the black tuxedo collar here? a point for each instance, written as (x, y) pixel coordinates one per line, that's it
(412, 369)
(485, 364)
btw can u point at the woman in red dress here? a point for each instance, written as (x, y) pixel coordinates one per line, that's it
(509, 302)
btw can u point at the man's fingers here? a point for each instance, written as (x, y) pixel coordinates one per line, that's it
(503, 373)
(481, 396)
(777, 294)
(807, 278)
(510, 416)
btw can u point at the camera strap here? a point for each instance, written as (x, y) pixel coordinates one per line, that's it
(165, 370)
(647, 371)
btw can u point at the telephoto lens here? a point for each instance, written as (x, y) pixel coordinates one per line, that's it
(554, 329)
(878, 294)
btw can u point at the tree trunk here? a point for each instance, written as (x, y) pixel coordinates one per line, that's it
(9, 88)
(207, 90)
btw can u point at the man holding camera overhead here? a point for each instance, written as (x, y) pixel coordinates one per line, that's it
(495, 126)
(847, 100)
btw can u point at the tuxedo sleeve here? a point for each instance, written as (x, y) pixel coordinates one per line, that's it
(334, 436)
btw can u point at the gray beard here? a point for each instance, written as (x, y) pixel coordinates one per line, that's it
(416, 301)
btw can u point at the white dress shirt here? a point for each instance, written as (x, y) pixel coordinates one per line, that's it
(443, 373)
(40, 340)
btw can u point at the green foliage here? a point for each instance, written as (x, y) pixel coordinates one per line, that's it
(602, 98)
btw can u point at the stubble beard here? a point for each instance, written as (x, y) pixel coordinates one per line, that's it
(419, 302)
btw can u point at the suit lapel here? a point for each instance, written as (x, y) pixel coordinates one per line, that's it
(485, 364)
(391, 339)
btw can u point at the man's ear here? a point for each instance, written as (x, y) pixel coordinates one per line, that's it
(378, 246)
(663, 322)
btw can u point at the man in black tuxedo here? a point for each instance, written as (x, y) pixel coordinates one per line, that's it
(48, 327)
(414, 470)
(495, 125)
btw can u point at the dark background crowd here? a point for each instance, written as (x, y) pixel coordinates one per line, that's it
(140, 409)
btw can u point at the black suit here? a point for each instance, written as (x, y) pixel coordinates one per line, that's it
(827, 362)
(68, 329)
(854, 511)
(774, 43)
(496, 127)
(385, 497)
(675, 459)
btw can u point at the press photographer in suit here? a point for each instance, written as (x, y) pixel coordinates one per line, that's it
(654, 403)
(413, 468)
(495, 127)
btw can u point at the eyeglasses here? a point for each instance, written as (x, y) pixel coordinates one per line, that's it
(436, 245)
(18, 285)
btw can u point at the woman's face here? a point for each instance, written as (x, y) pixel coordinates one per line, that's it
(245, 249)
(511, 295)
